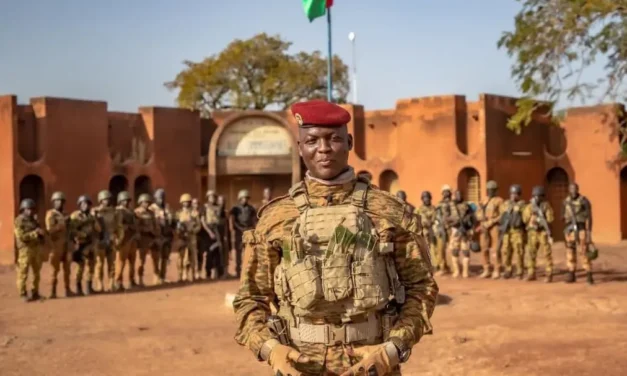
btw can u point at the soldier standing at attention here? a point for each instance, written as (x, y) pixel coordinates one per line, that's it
(427, 220)
(56, 227)
(267, 196)
(443, 230)
(226, 236)
(162, 247)
(538, 216)
(489, 215)
(242, 217)
(401, 195)
(128, 240)
(512, 230)
(577, 214)
(84, 231)
(462, 223)
(187, 227)
(149, 240)
(29, 238)
(108, 219)
(330, 256)
(210, 221)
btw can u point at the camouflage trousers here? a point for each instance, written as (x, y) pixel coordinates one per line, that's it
(60, 257)
(188, 256)
(538, 241)
(513, 248)
(122, 253)
(432, 242)
(104, 258)
(459, 242)
(330, 360)
(87, 258)
(143, 247)
(440, 252)
(488, 240)
(28, 258)
(160, 254)
(573, 247)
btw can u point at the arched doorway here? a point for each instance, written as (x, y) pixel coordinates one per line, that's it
(143, 184)
(32, 186)
(556, 191)
(468, 182)
(623, 202)
(388, 181)
(253, 151)
(117, 184)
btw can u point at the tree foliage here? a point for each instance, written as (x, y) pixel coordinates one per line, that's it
(553, 44)
(257, 73)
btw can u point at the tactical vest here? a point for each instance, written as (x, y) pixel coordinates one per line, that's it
(212, 215)
(146, 221)
(187, 217)
(84, 225)
(244, 220)
(577, 205)
(164, 220)
(26, 225)
(128, 221)
(108, 218)
(55, 221)
(333, 263)
(512, 215)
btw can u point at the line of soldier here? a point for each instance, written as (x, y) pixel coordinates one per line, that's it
(93, 237)
(507, 231)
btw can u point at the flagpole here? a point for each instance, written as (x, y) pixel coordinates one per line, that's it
(330, 60)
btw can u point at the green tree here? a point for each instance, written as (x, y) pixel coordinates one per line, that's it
(554, 42)
(257, 73)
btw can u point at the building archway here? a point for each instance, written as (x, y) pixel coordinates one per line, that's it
(253, 150)
(143, 184)
(469, 183)
(623, 203)
(117, 184)
(388, 181)
(32, 186)
(556, 191)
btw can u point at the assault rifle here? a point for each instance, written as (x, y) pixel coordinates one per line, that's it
(542, 219)
(504, 226)
(439, 222)
(573, 223)
(105, 236)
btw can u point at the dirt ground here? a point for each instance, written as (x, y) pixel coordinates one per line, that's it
(482, 327)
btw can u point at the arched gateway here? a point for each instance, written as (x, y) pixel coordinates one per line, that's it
(253, 150)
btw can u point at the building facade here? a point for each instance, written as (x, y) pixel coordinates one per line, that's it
(79, 147)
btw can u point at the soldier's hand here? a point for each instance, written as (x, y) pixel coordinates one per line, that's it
(39, 231)
(588, 237)
(375, 361)
(282, 359)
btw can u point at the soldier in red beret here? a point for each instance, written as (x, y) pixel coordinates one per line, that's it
(343, 263)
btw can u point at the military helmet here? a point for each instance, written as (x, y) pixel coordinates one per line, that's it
(492, 185)
(445, 187)
(144, 197)
(243, 194)
(425, 194)
(83, 198)
(104, 194)
(185, 197)
(538, 190)
(515, 188)
(592, 253)
(57, 196)
(210, 192)
(124, 196)
(27, 203)
(159, 193)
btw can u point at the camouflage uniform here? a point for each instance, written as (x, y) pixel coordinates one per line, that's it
(188, 225)
(84, 230)
(489, 215)
(538, 238)
(29, 247)
(127, 242)
(60, 255)
(274, 237)
(444, 211)
(513, 237)
(162, 247)
(111, 232)
(214, 219)
(578, 209)
(427, 222)
(149, 241)
(460, 238)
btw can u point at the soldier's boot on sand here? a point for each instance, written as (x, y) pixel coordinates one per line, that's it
(35, 295)
(90, 288)
(507, 274)
(53, 290)
(486, 272)
(79, 289)
(455, 264)
(531, 275)
(68, 292)
(465, 267)
(548, 278)
(141, 281)
(24, 297)
(570, 277)
(589, 278)
(496, 273)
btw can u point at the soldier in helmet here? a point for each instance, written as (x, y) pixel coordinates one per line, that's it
(267, 196)
(339, 257)
(109, 221)
(242, 217)
(212, 221)
(163, 246)
(84, 231)
(56, 227)
(427, 214)
(29, 237)
(127, 243)
(401, 195)
(226, 235)
(489, 215)
(187, 227)
(538, 216)
(512, 232)
(443, 212)
(149, 240)
(462, 221)
(577, 214)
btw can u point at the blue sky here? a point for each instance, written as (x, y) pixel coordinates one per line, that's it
(121, 51)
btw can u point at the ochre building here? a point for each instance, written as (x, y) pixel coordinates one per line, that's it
(78, 146)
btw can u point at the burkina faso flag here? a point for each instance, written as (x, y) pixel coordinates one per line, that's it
(316, 8)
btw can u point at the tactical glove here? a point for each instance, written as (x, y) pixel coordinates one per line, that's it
(282, 359)
(375, 360)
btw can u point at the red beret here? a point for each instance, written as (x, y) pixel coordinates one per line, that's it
(319, 113)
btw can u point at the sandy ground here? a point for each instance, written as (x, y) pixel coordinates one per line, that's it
(482, 327)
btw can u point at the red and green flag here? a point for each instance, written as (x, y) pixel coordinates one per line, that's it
(316, 8)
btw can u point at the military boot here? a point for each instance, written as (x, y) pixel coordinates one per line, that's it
(24, 297)
(465, 267)
(79, 289)
(141, 281)
(531, 276)
(68, 292)
(35, 296)
(507, 274)
(90, 288)
(570, 277)
(455, 262)
(496, 273)
(53, 291)
(589, 278)
(486, 272)
(548, 278)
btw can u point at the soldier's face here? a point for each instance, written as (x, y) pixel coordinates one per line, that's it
(426, 200)
(243, 200)
(186, 204)
(514, 196)
(491, 192)
(58, 204)
(160, 200)
(195, 204)
(28, 212)
(325, 150)
(125, 203)
(211, 199)
(145, 204)
(573, 190)
(220, 200)
(458, 196)
(84, 206)
(105, 202)
(446, 195)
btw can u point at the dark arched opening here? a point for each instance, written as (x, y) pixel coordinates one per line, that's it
(556, 191)
(143, 184)
(32, 186)
(623, 202)
(117, 184)
(468, 182)
(388, 181)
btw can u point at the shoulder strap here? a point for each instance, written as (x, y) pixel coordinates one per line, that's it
(358, 198)
(298, 193)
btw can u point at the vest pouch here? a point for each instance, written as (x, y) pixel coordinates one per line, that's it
(371, 284)
(304, 282)
(280, 283)
(336, 277)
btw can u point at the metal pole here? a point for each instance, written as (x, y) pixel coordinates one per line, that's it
(354, 72)
(330, 61)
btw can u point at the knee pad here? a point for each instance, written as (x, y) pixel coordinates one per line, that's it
(466, 253)
(455, 252)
